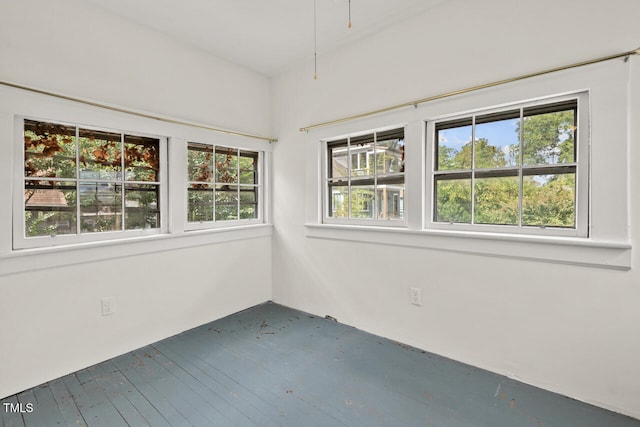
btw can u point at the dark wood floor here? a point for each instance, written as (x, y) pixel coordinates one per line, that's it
(274, 366)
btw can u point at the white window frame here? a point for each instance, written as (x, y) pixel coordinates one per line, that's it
(581, 228)
(204, 225)
(326, 194)
(21, 241)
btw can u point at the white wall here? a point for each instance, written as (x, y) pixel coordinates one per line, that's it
(51, 320)
(566, 328)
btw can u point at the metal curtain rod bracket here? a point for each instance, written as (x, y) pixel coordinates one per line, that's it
(417, 102)
(139, 114)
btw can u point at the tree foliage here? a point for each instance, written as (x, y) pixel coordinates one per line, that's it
(222, 179)
(548, 200)
(548, 138)
(71, 171)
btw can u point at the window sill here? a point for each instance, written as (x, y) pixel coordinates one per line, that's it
(22, 260)
(564, 250)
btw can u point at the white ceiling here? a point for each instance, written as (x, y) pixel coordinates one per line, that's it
(268, 36)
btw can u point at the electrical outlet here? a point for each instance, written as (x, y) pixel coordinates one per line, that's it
(416, 296)
(108, 306)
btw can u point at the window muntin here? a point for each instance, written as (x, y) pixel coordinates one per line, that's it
(517, 167)
(74, 184)
(365, 177)
(223, 184)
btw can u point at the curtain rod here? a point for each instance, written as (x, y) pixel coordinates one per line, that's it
(139, 114)
(416, 102)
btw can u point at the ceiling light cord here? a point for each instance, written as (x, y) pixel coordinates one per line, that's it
(315, 40)
(315, 36)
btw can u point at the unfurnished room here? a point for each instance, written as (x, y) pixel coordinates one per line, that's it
(320, 213)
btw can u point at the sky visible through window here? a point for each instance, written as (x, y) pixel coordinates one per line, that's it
(501, 134)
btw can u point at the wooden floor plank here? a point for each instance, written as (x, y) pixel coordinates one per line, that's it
(9, 417)
(226, 389)
(28, 402)
(67, 406)
(134, 371)
(188, 404)
(295, 368)
(200, 409)
(95, 407)
(274, 366)
(305, 365)
(232, 357)
(201, 383)
(45, 409)
(111, 379)
(247, 382)
(119, 400)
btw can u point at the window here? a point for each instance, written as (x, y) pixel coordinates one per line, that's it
(534, 170)
(82, 184)
(365, 177)
(93, 184)
(223, 184)
(518, 169)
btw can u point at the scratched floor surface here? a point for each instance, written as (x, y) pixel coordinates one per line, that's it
(274, 366)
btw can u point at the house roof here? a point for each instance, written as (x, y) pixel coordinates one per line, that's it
(46, 198)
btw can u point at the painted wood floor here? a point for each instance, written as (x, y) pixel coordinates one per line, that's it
(274, 366)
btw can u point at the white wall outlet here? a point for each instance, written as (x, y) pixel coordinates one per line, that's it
(416, 296)
(108, 306)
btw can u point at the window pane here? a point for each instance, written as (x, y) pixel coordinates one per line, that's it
(362, 197)
(497, 142)
(248, 177)
(49, 150)
(235, 194)
(200, 162)
(141, 158)
(248, 202)
(339, 160)
(200, 203)
(248, 168)
(84, 187)
(338, 199)
(390, 156)
(362, 159)
(248, 211)
(100, 155)
(453, 200)
(365, 176)
(549, 138)
(248, 194)
(453, 146)
(100, 207)
(496, 201)
(50, 208)
(549, 200)
(141, 207)
(226, 202)
(226, 165)
(390, 201)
